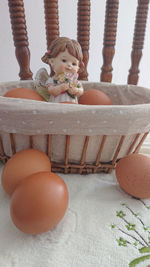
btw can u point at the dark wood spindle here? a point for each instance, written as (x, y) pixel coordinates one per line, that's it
(83, 33)
(18, 23)
(138, 40)
(51, 20)
(111, 18)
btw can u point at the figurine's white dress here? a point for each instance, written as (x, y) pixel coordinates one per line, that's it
(41, 80)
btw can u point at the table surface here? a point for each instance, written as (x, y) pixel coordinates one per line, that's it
(103, 227)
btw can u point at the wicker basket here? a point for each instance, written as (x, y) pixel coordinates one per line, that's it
(77, 138)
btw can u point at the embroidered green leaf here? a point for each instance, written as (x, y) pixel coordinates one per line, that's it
(123, 204)
(130, 227)
(136, 214)
(144, 250)
(120, 214)
(145, 228)
(138, 260)
(122, 242)
(148, 207)
(135, 244)
(113, 226)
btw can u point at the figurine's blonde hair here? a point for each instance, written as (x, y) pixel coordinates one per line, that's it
(60, 45)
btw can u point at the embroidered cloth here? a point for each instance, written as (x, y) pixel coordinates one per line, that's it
(102, 227)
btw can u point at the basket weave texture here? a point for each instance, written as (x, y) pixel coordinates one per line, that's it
(77, 138)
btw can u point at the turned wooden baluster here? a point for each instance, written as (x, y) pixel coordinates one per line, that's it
(18, 23)
(83, 33)
(138, 41)
(109, 39)
(51, 20)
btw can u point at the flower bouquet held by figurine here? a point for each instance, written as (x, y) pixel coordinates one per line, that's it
(70, 78)
(65, 60)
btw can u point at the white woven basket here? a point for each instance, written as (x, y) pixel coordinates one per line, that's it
(77, 138)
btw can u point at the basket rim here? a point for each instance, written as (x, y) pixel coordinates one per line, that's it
(74, 107)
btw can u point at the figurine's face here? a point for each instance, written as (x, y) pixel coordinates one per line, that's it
(64, 62)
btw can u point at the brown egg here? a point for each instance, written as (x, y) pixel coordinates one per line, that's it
(94, 97)
(21, 165)
(39, 203)
(133, 175)
(25, 93)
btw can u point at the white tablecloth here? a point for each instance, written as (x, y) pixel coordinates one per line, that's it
(103, 227)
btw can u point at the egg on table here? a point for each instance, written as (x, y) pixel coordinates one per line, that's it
(39, 203)
(25, 93)
(21, 165)
(133, 175)
(94, 97)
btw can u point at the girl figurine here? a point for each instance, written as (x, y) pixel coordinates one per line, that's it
(65, 59)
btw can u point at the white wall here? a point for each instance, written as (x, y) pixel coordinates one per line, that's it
(36, 32)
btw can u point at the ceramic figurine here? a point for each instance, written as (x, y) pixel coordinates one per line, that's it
(65, 60)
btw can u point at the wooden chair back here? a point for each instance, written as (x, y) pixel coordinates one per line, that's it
(18, 22)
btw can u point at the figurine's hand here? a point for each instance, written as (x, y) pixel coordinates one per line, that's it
(76, 91)
(64, 87)
(73, 90)
(58, 89)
